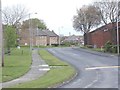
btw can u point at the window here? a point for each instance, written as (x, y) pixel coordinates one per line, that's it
(105, 30)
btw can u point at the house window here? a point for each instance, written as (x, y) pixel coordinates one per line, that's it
(105, 30)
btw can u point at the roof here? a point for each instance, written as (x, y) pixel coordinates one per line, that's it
(40, 33)
(72, 38)
(108, 26)
(50, 33)
(45, 33)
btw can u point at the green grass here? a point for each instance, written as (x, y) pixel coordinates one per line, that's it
(98, 49)
(50, 59)
(93, 49)
(53, 77)
(0, 74)
(16, 64)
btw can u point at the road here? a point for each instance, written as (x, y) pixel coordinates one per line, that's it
(93, 71)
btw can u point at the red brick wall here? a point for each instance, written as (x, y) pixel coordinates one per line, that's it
(99, 38)
(101, 35)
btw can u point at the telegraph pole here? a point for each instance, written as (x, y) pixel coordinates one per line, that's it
(1, 37)
(30, 32)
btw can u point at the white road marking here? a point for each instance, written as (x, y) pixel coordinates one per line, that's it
(44, 69)
(77, 81)
(16, 80)
(102, 67)
(44, 65)
(93, 82)
(74, 54)
(112, 55)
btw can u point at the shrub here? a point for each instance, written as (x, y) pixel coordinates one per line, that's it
(89, 46)
(108, 46)
(69, 43)
(114, 48)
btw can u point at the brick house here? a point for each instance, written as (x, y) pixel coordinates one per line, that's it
(73, 39)
(38, 37)
(52, 37)
(24, 37)
(103, 34)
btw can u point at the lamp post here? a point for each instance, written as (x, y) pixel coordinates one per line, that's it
(31, 32)
(117, 31)
(59, 34)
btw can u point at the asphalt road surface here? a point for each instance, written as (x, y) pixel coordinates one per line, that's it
(93, 71)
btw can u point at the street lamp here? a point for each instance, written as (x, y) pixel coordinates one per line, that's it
(117, 31)
(59, 34)
(30, 31)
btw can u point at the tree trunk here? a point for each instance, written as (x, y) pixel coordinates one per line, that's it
(8, 51)
(113, 33)
(85, 39)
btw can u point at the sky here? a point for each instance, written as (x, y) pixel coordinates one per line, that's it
(57, 14)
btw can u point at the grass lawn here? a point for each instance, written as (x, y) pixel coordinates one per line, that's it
(50, 59)
(55, 76)
(94, 49)
(0, 74)
(16, 64)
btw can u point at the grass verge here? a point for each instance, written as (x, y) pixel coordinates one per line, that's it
(93, 49)
(54, 77)
(16, 64)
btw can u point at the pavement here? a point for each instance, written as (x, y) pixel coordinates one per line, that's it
(38, 68)
(95, 52)
(94, 70)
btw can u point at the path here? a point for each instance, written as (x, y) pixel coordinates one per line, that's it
(38, 68)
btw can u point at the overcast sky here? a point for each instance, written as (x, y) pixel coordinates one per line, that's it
(57, 14)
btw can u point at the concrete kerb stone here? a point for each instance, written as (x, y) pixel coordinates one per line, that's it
(95, 52)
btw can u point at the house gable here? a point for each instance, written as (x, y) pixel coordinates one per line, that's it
(103, 34)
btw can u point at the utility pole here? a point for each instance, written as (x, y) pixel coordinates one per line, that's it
(59, 36)
(30, 32)
(117, 31)
(1, 37)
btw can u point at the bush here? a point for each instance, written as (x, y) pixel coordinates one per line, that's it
(89, 46)
(69, 43)
(109, 47)
(114, 48)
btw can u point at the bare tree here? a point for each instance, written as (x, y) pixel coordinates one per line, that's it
(87, 17)
(108, 10)
(13, 15)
